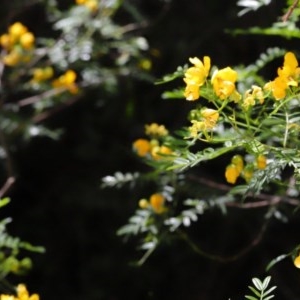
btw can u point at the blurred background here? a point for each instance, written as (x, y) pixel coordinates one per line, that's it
(57, 201)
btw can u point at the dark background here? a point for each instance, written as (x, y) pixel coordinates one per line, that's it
(58, 203)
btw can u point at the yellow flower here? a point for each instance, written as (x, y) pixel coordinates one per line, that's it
(290, 69)
(261, 161)
(143, 203)
(145, 64)
(157, 202)
(251, 95)
(211, 117)
(237, 160)
(16, 30)
(232, 173)
(159, 152)
(92, 5)
(223, 82)
(42, 74)
(142, 147)
(67, 81)
(156, 130)
(287, 76)
(27, 40)
(12, 58)
(278, 87)
(5, 41)
(23, 294)
(192, 92)
(195, 77)
(297, 262)
(7, 297)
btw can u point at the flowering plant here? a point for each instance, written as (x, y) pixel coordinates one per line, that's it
(244, 124)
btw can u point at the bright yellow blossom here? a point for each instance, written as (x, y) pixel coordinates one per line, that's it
(290, 69)
(192, 92)
(154, 129)
(7, 297)
(195, 77)
(16, 30)
(22, 294)
(17, 42)
(297, 262)
(91, 4)
(6, 41)
(157, 202)
(197, 126)
(159, 152)
(12, 58)
(251, 95)
(288, 75)
(67, 80)
(261, 161)
(232, 173)
(234, 169)
(223, 82)
(143, 203)
(27, 40)
(142, 147)
(42, 74)
(210, 117)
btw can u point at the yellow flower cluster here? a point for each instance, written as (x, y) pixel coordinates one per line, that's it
(155, 129)
(17, 42)
(251, 95)
(22, 294)
(208, 120)
(156, 202)
(288, 76)
(67, 81)
(42, 74)
(153, 148)
(237, 168)
(223, 81)
(90, 4)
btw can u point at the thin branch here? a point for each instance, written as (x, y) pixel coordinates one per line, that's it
(37, 98)
(286, 16)
(266, 200)
(47, 114)
(225, 259)
(7, 185)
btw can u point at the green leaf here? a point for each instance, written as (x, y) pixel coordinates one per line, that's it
(275, 261)
(250, 297)
(266, 282)
(270, 297)
(4, 201)
(270, 290)
(175, 94)
(254, 291)
(258, 284)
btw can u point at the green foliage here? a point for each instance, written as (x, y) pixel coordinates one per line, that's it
(245, 125)
(11, 249)
(261, 290)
